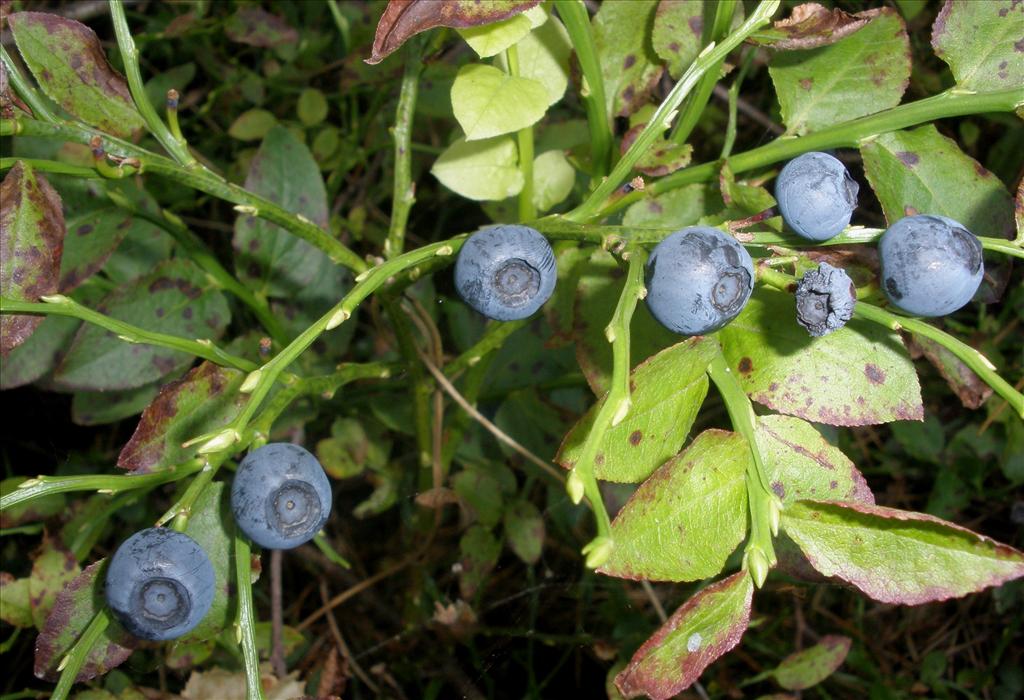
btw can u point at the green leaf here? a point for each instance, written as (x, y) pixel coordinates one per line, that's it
(674, 209)
(31, 240)
(204, 399)
(252, 125)
(707, 626)
(311, 107)
(800, 463)
(491, 39)
(535, 424)
(807, 668)
(896, 556)
(480, 551)
(103, 407)
(40, 353)
(480, 170)
(667, 392)
(553, 179)
(252, 25)
(177, 78)
(743, 198)
(544, 57)
(981, 42)
(72, 611)
(524, 530)
(858, 375)
(688, 516)
(597, 292)
(481, 492)
(14, 601)
(91, 239)
(52, 569)
(629, 66)
(68, 62)
(677, 36)
(920, 171)
(36, 510)
(827, 85)
(212, 525)
(176, 298)
(349, 450)
(488, 102)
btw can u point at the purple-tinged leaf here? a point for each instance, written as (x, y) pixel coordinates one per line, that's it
(31, 242)
(858, 375)
(800, 463)
(807, 668)
(68, 62)
(896, 556)
(983, 43)
(667, 392)
(810, 25)
(920, 171)
(203, 399)
(52, 569)
(403, 19)
(252, 25)
(707, 626)
(687, 518)
(72, 611)
(176, 298)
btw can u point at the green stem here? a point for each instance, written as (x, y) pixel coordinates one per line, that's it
(951, 103)
(205, 259)
(43, 486)
(422, 386)
(582, 479)
(527, 210)
(35, 101)
(759, 554)
(75, 659)
(734, 96)
(340, 22)
(60, 305)
(200, 179)
(661, 119)
(696, 102)
(52, 166)
(577, 24)
(245, 627)
(181, 511)
(404, 191)
(130, 56)
(978, 363)
(493, 338)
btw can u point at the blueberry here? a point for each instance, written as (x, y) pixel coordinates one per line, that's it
(280, 496)
(825, 298)
(816, 195)
(160, 584)
(506, 272)
(931, 265)
(698, 280)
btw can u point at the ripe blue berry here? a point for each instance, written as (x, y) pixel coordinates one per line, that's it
(698, 280)
(160, 584)
(280, 496)
(825, 298)
(506, 272)
(816, 195)
(931, 265)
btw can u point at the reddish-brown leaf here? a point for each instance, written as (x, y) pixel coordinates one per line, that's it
(403, 19)
(811, 25)
(31, 243)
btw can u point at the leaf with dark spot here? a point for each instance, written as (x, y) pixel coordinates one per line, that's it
(707, 626)
(967, 385)
(92, 238)
(204, 399)
(896, 556)
(981, 42)
(403, 19)
(662, 158)
(677, 35)
(810, 25)
(72, 611)
(811, 378)
(98, 360)
(687, 517)
(807, 668)
(667, 392)
(31, 243)
(623, 29)
(52, 569)
(68, 62)
(252, 25)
